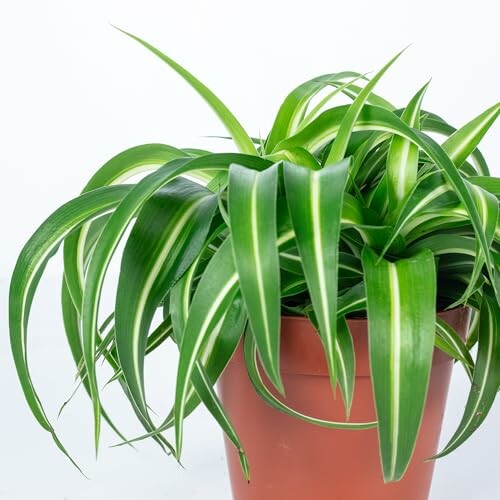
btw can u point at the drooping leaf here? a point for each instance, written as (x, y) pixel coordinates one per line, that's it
(28, 271)
(486, 380)
(453, 345)
(253, 220)
(167, 236)
(401, 298)
(111, 237)
(315, 199)
(268, 396)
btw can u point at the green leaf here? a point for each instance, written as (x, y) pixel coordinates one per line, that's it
(214, 294)
(463, 142)
(273, 401)
(402, 159)
(346, 363)
(71, 327)
(233, 126)
(120, 168)
(353, 91)
(212, 360)
(111, 237)
(315, 199)
(490, 184)
(252, 214)
(295, 105)
(488, 209)
(28, 271)
(169, 233)
(486, 379)
(346, 128)
(326, 126)
(401, 298)
(431, 192)
(453, 345)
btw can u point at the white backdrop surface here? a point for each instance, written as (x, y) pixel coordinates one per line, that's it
(73, 92)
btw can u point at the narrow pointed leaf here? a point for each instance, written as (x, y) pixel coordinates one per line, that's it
(112, 235)
(262, 390)
(252, 213)
(346, 363)
(28, 271)
(315, 199)
(464, 141)
(486, 380)
(401, 299)
(294, 107)
(339, 146)
(168, 234)
(211, 301)
(233, 126)
(455, 346)
(402, 159)
(117, 170)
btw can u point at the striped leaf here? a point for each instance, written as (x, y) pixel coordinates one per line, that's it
(345, 359)
(486, 380)
(402, 159)
(346, 128)
(28, 271)
(401, 299)
(327, 125)
(252, 214)
(346, 363)
(112, 235)
(488, 209)
(315, 199)
(212, 361)
(214, 294)
(294, 107)
(432, 192)
(168, 235)
(464, 141)
(453, 345)
(120, 168)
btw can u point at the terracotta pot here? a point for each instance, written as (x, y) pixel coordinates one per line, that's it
(293, 460)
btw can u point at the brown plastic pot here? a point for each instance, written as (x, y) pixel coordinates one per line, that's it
(293, 460)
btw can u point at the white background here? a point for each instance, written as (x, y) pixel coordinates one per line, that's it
(74, 92)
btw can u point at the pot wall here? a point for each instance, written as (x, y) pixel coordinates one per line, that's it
(293, 460)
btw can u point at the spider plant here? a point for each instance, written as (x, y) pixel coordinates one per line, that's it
(346, 210)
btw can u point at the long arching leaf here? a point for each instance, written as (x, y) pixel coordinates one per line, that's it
(28, 271)
(486, 380)
(269, 398)
(167, 236)
(401, 299)
(111, 237)
(233, 126)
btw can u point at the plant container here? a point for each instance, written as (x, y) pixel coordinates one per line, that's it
(294, 460)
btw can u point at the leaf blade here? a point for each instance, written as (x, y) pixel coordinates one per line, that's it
(401, 327)
(252, 213)
(314, 198)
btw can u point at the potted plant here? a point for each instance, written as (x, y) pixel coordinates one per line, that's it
(327, 275)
